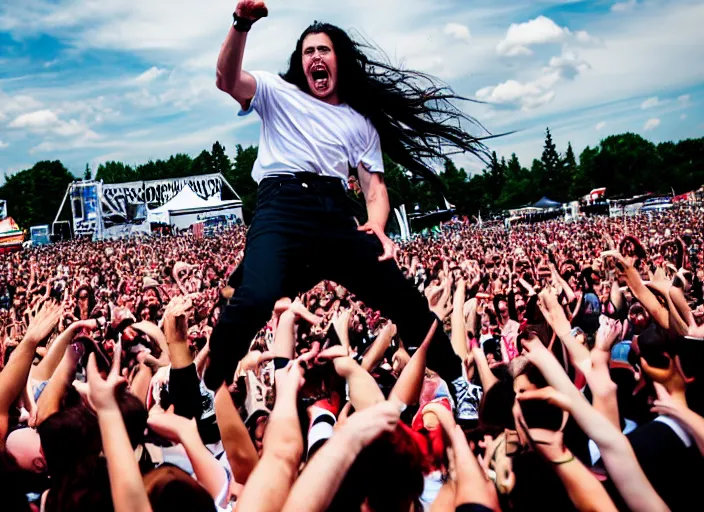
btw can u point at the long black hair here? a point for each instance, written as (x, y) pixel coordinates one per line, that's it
(412, 111)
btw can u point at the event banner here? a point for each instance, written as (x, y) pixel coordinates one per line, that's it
(117, 198)
(84, 206)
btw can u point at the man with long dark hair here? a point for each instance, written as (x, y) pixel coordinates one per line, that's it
(331, 112)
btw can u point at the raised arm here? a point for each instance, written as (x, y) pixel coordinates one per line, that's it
(376, 351)
(316, 487)
(617, 453)
(126, 486)
(230, 77)
(459, 333)
(45, 369)
(50, 400)
(241, 453)
(209, 473)
(13, 377)
(283, 447)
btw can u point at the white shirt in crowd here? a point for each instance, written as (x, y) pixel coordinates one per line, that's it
(300, 133)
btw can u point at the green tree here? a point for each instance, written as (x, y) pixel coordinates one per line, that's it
(517, 190)
(179, 166)
(87, 175)
(240, 177)
(115, 172)
(628, 164)
(202, 164)
(34, 195)
(583, 181)
(219, 160)
(551, 180)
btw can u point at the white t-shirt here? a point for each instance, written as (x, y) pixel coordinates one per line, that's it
(300, 133)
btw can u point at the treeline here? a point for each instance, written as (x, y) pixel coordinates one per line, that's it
(625, 164)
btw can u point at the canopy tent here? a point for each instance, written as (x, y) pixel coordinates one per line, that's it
(186, 209)
(11, 236)
(546, 203)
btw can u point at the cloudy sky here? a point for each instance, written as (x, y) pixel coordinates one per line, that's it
(86, 81)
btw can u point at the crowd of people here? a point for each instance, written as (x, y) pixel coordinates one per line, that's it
(581, 345)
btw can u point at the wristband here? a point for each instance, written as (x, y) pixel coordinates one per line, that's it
(281, 362)
(561, 462)
(241, 24)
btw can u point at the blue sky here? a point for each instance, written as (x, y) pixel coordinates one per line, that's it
(86, 81)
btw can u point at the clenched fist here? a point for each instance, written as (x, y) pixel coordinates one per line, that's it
(251, 10)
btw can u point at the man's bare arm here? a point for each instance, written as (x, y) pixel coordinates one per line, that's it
(230, 77)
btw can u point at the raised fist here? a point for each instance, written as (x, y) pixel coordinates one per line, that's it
(251, 10)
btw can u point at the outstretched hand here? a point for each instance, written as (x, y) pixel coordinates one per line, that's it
(41, 325)
(368, 424)
(390, 248)
(102, 391)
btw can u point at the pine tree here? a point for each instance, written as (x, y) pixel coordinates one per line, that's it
(202, 164)
(87, 175)
(219, 160)
(568, 175)
(549, 183)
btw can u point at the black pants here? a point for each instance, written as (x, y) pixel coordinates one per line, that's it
(303, 232)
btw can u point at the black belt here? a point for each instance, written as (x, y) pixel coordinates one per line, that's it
(309, 180)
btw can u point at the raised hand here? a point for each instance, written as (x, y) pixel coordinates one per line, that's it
(549, 443)
(365, 426)
(332, 353)
(341, 322)
(176, 319)
(45, 320)
(252, 10)
(102, 391)
(607, 334)
(172, 426)
(290, 378)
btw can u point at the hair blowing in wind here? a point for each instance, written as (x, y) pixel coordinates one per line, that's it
(413, 112)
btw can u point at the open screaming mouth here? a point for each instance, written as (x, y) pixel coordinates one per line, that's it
(319, 74)
(320, 77)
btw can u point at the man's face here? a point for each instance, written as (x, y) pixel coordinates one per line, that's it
(320, 65)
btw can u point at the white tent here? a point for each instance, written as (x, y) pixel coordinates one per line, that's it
(186, 209)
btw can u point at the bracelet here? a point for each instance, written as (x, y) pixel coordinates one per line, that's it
(241, 24)
(561, 462)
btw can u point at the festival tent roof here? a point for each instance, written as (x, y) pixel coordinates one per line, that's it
(8, 224)
(185, 200)
(546, 203)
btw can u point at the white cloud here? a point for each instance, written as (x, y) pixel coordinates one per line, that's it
(519, 36)
(583, 37)
(683, 117)
(536, 93)
(569, 64)
(16, 104)
(651, 124)
(39, 119)
(624, 6)
(528, 95)
(684, 98)
(600, 125)
(149, 75)
(458, 31)
(651, 103)
(46, 122)
(3, 144)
